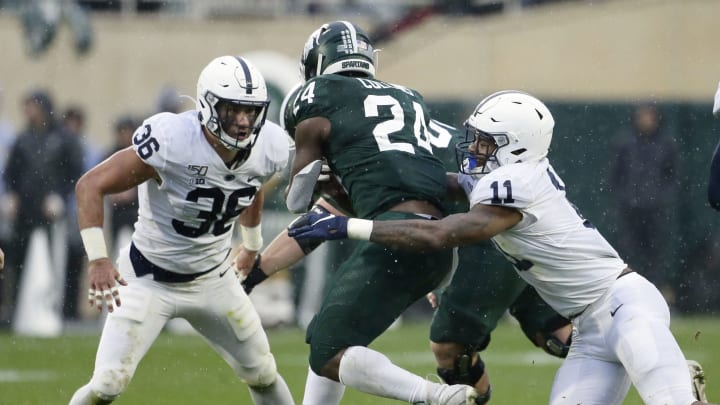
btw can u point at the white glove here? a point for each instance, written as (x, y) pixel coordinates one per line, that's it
(716, 106)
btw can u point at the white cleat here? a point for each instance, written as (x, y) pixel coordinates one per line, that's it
(697, 376)
(457, 394)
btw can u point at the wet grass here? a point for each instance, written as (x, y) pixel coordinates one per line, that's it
(184, 370)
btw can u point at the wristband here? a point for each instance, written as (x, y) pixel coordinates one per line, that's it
(359, 229)
(94, 242)
(251, 237)
(254, 277)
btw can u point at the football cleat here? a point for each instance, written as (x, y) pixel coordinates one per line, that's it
(444, 394)
(697, 376)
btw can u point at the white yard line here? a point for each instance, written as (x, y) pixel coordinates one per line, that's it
(10, 375)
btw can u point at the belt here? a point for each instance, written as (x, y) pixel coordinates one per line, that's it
(625, 272)
(142, 266)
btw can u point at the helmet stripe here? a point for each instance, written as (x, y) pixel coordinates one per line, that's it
(353, 35)
(248, 76)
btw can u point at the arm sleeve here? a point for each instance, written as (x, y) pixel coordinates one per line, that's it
(714, 182)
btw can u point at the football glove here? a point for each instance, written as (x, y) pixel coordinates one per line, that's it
(318, 223)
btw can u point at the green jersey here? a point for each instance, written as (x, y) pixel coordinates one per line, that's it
(379, 144)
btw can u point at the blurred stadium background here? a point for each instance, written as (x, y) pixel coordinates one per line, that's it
(592, 61)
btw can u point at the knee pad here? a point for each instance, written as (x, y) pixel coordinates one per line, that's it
(556, 347)
(107, 385)
(545, 338)
(463, 371)
(261, 375)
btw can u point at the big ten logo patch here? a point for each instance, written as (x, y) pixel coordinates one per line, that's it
(197, 173)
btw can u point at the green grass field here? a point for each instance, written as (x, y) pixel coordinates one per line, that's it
(183, 370)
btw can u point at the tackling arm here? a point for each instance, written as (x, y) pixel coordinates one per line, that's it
(480, 223)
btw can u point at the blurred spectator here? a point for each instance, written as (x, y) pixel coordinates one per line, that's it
(7, 138)
(714, 181)
(643, 178)
(74, 122)
(41, 171)
(74, 127)
(123, 206)
(168, 100)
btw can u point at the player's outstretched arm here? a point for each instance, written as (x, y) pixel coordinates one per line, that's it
(282, 253)
(120, 172)
(480, 223)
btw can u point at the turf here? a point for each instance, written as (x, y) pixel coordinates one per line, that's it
(184, 370)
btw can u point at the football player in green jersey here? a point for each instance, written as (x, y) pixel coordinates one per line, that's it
(373, 136)
(469, 310)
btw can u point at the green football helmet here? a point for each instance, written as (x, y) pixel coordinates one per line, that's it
(335, 47)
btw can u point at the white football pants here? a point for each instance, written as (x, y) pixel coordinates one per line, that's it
(216, 306)
(624, 338)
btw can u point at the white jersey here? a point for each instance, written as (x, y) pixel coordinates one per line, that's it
(185, 222)
(553, 248)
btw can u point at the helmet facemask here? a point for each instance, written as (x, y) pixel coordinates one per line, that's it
(223, 118)
(227, 86)
(477, 155)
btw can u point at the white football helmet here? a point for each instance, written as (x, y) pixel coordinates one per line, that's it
(231, 79)
(520, 125)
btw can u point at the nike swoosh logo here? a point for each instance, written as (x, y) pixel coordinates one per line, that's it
(612, 313)
(222, 273)
(322, 220)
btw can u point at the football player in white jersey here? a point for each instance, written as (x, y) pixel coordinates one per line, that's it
(621, 322)
(198, 173)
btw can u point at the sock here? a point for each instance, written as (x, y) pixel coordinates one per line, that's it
(372, 372)
(321, 390)
(85, 396)
(82, 396)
